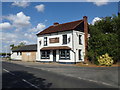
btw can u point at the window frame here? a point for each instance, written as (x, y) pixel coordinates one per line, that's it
(79, 54)
(64, 39)
(65, 56)
(46, 54)
(45, 41)
(80, 41)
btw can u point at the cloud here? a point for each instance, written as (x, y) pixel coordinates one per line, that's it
(5, 25)
(21, 3)
(39, 27)
(19, 20)
(99, 2)
(40, 7)
(95, 20)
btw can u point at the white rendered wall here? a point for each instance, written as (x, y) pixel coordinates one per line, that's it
(73, 44)
(14, 56)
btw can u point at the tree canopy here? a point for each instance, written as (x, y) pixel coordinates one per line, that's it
(15, 47)
(104, 38)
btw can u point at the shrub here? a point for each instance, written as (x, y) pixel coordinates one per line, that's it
(105, 60)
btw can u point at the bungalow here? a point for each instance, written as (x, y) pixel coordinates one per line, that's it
(63, 43)
(25, 53)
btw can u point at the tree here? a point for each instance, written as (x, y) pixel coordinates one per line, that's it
(104, 38)
(17, 46)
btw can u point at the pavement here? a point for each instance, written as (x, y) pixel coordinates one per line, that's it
(98, 76)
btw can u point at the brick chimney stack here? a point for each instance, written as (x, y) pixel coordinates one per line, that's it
(85, 35)
(56, 23)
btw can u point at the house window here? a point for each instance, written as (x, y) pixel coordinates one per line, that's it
(45, 54)
(64, 54)
(17, 53)
(79, 53)
(20, 53)
(64, 39)
(80, 39)
(39, 42)
(45, 41)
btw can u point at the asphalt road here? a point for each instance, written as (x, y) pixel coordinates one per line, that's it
(19, 76)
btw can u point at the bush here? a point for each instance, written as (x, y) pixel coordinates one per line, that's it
(105, 60)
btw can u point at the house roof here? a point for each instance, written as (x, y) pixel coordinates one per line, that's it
(63, 27)
(56, 48)
(32, 47)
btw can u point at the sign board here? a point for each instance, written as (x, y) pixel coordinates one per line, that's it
(54, 40)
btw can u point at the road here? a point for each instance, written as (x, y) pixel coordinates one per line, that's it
(19, 76)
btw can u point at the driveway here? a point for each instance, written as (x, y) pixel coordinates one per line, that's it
(102, 75)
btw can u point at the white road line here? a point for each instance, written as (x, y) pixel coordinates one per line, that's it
(29, 83)
(22, 79)
(95, 81)
(8, 72)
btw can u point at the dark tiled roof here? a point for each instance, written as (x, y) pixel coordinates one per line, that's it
(32, 47)
(61, 27)
(55, 48)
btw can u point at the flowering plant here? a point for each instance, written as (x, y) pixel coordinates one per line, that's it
(105, 60)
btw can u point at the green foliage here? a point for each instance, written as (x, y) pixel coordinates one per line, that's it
(105, 60)
(17, 46)
(104, 38)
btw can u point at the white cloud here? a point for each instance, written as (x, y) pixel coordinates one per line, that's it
(5, 25)
(99, 2)
(39, 27)
(40, 7)
(19, 20)
(21, 3)
(95, 20)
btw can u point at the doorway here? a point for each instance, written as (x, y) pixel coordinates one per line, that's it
(54, 55)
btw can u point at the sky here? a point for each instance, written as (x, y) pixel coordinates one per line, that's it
(21, 21)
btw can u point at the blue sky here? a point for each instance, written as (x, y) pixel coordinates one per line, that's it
(21, 21)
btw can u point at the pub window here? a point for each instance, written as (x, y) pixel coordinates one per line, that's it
(39, 42)
(20, 53)
(80, 39)
(64, 39)
(17, 53)
(45, 41)
(45, 54)
(64, 54)
(79, 53)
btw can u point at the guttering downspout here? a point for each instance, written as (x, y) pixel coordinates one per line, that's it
(73, 47)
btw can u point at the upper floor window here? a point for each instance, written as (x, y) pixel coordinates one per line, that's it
(45, 41)
(39, 42)
(80, 39)
(64, 39)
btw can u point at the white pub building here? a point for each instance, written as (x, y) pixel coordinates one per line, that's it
(63, 43)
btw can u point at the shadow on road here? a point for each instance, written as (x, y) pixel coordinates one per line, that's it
(16, 81)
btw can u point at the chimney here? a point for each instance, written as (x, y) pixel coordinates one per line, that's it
(85, 35)
(56, 23)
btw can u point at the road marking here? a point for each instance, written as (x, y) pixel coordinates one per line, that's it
(8, 72)
(95, 81)
(29, 83)
(22, 79)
